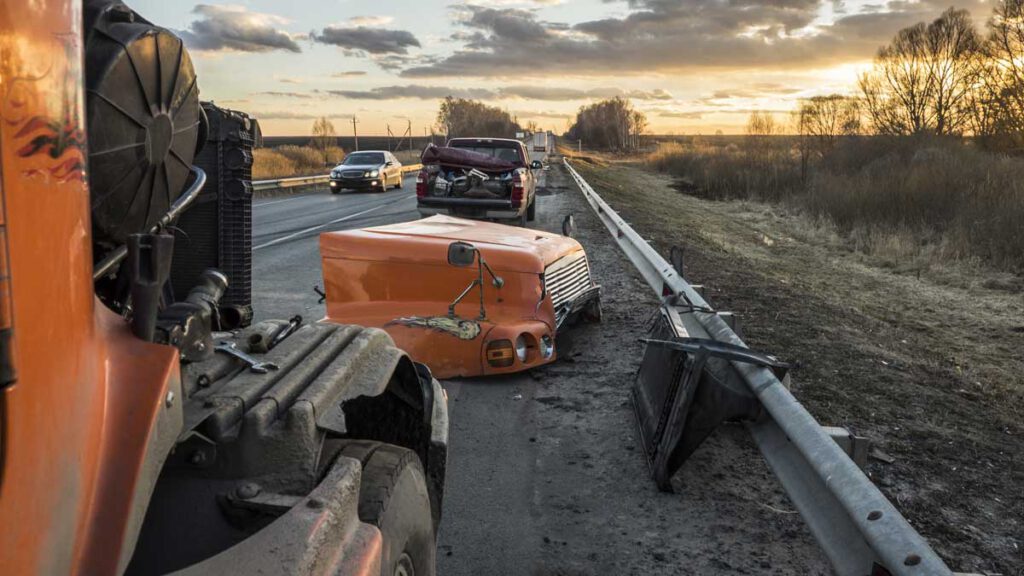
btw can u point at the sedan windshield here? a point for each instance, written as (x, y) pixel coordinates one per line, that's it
(364, 158)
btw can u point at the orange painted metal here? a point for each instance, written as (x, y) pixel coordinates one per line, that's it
(77, 422)
(398, 278)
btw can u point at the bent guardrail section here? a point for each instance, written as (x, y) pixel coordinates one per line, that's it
(859, 530)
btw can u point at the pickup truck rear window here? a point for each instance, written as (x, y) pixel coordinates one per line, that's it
(506, 152)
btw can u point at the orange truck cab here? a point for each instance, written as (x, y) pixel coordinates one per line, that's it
(465, 297)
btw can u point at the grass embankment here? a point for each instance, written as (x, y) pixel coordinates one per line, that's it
(912, 202)
(290, 160)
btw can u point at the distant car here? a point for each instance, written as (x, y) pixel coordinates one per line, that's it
(479, 178)
(367, 170)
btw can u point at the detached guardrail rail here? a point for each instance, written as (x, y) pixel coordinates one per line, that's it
(859, 530)
(302, 181)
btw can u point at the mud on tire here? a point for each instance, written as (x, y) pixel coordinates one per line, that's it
(393, 497)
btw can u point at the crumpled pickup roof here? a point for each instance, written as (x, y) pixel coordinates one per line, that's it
(504, 247)
(464, 159)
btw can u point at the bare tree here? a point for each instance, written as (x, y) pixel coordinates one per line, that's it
(612, 123)
(761, 124)
(921, 82)
(821, 121)
(462, 117)
(324, 137)
(999, 102)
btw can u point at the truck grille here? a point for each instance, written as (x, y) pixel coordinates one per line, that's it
(567, 278)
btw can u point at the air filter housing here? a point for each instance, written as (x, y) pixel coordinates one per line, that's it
(143, 120)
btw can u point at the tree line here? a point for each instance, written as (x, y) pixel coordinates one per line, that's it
(610, 124)
(943, 78)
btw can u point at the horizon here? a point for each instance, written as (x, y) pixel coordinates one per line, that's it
(691, 67)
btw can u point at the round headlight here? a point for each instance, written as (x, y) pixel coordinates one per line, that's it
(521, 348)
(373, 173)
(547, 346)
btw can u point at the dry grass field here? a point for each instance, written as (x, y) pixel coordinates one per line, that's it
(923, 361)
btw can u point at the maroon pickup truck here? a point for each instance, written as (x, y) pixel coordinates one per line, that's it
(480, 178)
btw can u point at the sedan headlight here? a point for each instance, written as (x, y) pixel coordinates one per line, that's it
(373, 173)
(521, 348)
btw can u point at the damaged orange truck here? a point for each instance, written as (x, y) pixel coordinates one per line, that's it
(145, 426)
(466, 297)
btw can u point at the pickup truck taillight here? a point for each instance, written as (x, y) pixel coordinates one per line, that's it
(517, 191)
(421, 183)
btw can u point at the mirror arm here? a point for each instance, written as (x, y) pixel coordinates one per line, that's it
(498, 280)
(451, 307)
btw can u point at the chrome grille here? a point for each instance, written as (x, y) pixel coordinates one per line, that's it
(567, 278)
(352, 174)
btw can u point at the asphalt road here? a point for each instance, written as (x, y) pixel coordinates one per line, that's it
(286, 251)
(544, 474)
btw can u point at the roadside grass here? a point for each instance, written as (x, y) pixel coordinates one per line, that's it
(924, 362)
(910, 202)
(292, 160)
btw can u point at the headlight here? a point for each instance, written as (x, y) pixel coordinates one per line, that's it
(547, 346)
(521, 349)
(373, 173)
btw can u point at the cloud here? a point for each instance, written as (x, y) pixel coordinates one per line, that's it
(414, 91)
(289, 81)
(524, 92)
(292, 115)
(366, 40)
(349, 74)
(235, 28)
(279, 94)
(370, 21)
(671, 36)
(542, 114)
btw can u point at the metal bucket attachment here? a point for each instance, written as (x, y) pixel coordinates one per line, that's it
(684, 389)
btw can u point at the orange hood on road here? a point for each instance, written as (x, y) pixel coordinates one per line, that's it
(398, 278)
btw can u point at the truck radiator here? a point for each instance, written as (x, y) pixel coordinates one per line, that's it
(567, 278)
(216, 232)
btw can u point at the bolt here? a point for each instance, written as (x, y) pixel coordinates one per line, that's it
(170, 398)
(248, 490)
(200, 346)
(203, 381)
(198, 458)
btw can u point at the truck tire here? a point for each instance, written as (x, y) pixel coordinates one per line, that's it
(393, 497)
(531, 212)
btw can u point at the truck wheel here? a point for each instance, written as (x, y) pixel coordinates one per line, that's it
(531, 212)
(393, 497)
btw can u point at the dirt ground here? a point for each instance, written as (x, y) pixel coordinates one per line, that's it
(588, 505)
(930, 369)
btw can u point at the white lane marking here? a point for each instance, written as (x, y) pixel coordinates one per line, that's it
(317, 227)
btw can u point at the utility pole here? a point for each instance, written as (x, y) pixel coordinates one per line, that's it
(355, 134)
(580, 146)
(409, 130)
(389, 137)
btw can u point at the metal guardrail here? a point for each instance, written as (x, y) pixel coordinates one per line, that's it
(264, 185)
(856, 526)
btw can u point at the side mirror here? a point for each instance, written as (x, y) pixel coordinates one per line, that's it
(461, 254)
(536, 165)
(389, 163)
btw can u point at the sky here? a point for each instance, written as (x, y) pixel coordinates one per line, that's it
(692, 66)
